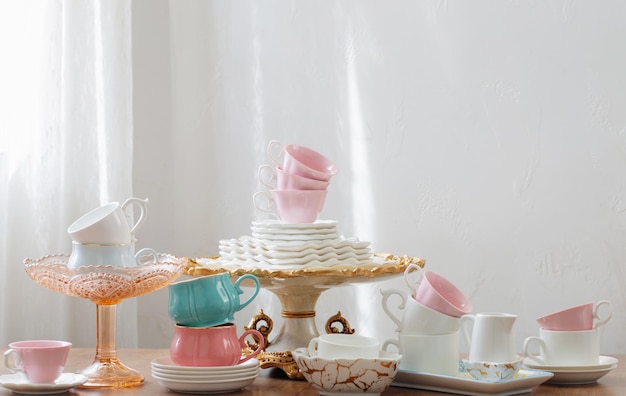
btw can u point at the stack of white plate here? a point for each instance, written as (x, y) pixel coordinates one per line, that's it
(192, 379)
(275, 243)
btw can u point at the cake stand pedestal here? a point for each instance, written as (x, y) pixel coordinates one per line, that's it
(298, 291)
(106, 286)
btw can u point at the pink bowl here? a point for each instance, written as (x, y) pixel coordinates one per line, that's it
(440, 294)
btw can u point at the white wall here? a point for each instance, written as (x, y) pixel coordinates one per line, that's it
(487, 137)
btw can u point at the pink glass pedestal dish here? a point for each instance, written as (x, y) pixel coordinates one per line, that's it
(106, 286)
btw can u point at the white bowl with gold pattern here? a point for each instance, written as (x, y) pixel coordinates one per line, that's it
(346, 377)
(492, 371)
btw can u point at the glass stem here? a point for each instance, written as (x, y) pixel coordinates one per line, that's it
(106, 350)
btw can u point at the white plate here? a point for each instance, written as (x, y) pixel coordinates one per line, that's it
(292, 231)
(18, 384)
(569, 377)
(177, 375)
(577, 375)
(165, 362)
(270, 239)
(206, 380)
(199, 387)
(463, 384)
(280, 225)
(604, 362)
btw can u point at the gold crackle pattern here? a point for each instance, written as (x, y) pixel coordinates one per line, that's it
(103, 284)
(347, 375)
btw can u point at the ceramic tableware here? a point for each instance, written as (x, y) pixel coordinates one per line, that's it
(335, 346)
(435, 354)
(301, 160)
(208, 300)
(275, 178)
(563, 348)
(291, 206)
(109, 224)
(212, 346)
(41, 361)
(580, 317)
(116, 255)
(491, 337)
(436, 292)
(416, 317)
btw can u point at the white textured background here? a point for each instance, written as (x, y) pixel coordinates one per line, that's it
(487, 137)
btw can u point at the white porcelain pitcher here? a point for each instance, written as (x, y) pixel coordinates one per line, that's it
(491, 338)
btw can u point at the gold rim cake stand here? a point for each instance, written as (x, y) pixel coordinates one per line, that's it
(298, 291)
(106, 286)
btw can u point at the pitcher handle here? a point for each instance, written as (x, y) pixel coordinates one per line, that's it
(465, 319)
(386, 294)
(256, 290)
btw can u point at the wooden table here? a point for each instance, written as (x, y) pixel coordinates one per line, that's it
(274, 382)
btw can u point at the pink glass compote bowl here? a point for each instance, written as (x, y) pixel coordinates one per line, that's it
(106, 286)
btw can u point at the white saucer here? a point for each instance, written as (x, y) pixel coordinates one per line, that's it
(604, 362)
(207, 386)
(577, 375)
(18, 384)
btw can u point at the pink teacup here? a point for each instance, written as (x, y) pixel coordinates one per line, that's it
(288, 181)
(292, 206)
(41, 361)
(436, 292)
(212, 346)
(576, 318)
(302, 161)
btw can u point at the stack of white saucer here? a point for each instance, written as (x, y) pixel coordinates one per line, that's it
(203, 379)
(275, 243)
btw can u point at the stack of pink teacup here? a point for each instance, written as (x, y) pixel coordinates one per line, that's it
(428, 333)
(568, 338)
(297, 182)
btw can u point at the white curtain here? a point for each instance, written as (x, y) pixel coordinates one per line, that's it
(66, 103)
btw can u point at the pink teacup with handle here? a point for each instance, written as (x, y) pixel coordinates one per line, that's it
(580, 317)
(302, 161)
(41, 361)
(212, 346)
(276, 178)
(436, 292)
(291, 206)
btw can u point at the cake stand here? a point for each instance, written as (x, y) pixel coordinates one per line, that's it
(298, 291)
(106, 286)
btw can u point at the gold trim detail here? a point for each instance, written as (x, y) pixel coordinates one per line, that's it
(298, 315)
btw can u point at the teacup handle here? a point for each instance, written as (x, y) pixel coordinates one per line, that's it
(146, 252)
(260, 346)
(256, 290)
(596, 313)
(530, 341)
(278, 159)
(263, 170)
(267, 208)
(413, 276)
(465, 321)
(390, 342)
(312, 347)
(143, 209)
(386, 294)
(13, 360)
